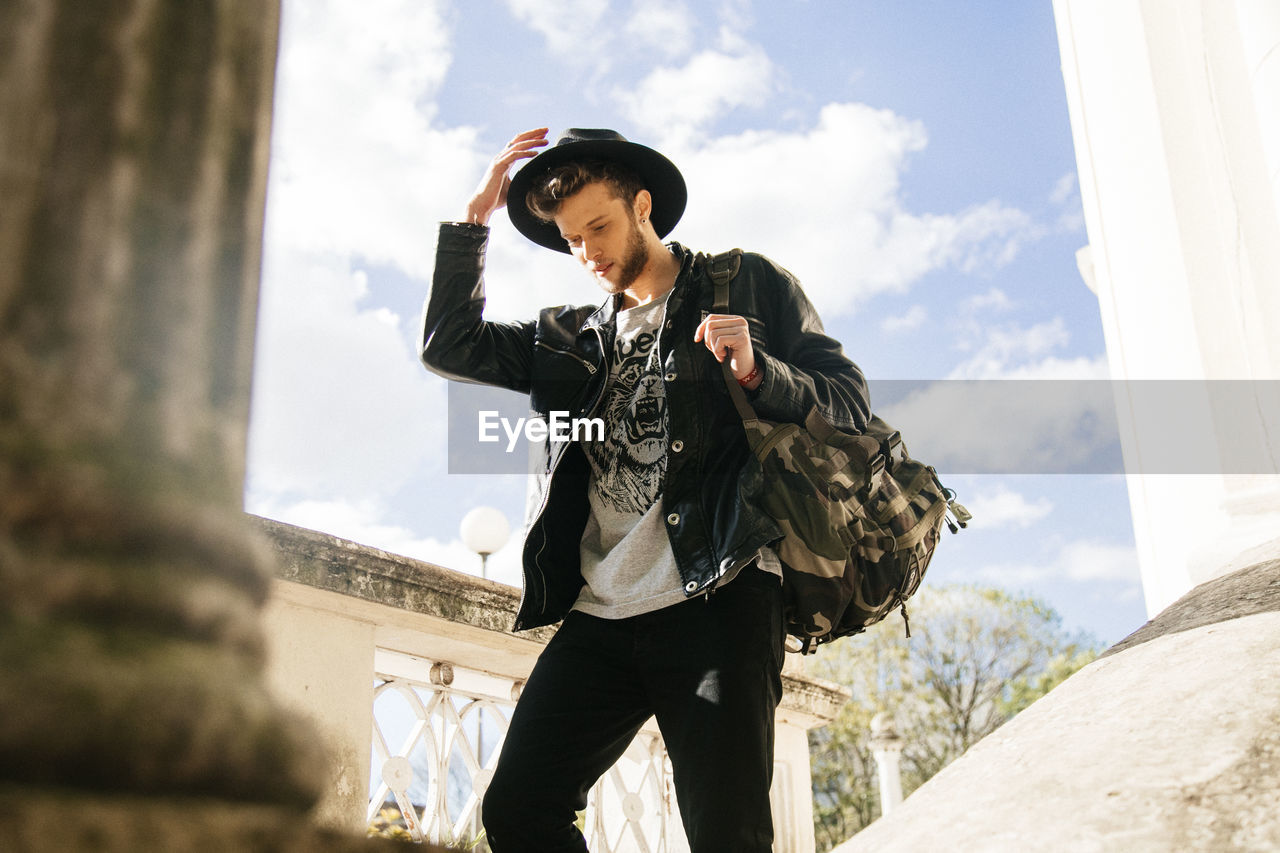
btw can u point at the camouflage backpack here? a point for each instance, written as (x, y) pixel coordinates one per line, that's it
(860, 517)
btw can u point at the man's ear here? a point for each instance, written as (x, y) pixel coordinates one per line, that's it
(642, 206)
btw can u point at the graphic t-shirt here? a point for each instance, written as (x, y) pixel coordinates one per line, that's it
(626, 556)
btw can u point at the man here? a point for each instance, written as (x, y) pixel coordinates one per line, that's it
(648, 544)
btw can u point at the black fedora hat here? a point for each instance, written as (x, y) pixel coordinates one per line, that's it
(660, 176)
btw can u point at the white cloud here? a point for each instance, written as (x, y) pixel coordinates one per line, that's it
(1011, 351)
(1064, 189)
(1089, 561)
(572, 28)
(361, 171)
(681, 102)
(980, 419)
(340, 402)
(913, 319)
(1024, 352)
(1004, 507)
(736, 15)
(663, 25)
(985, 237)
(357, 165)
(1006, 427)
(993, 300)
(1065, 195)
(359, 174)
(1084, 561)
(1081, 367)
(825, 203)
(1005, 345)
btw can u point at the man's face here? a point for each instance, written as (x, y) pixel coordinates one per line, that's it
(603, 235)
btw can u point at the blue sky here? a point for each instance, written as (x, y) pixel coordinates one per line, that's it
(911, 162)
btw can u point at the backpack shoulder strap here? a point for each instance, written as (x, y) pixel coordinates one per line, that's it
(722, 268)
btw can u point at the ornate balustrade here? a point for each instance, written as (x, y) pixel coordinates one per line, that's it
(422, 657)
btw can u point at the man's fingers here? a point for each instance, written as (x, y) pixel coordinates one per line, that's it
(726, 336)
(529, 138)
(528, 147)
(727, 333)
(521, 147)
(721, 321)
(511, 155)
(526, 142)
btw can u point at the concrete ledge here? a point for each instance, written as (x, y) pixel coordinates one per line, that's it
(1171, 743)
(1247, 591)
(327, 562)
(810, 702)
(420, 608)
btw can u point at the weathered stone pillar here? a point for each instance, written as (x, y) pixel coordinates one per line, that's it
(133, 157)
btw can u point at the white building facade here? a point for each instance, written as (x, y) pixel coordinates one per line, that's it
(1175, 115)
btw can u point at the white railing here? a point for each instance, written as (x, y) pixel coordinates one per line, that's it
(633, 806)
(437, 732)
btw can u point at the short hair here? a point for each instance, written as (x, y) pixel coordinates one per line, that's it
(549, 191)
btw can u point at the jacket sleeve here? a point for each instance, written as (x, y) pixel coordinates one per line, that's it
(803, 367)
(456, 342)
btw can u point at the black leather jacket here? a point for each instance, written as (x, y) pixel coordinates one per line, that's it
(561, 362)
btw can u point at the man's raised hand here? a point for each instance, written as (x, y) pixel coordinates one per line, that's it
(491, 194)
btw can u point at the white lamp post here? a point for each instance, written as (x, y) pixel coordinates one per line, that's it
(484, 530)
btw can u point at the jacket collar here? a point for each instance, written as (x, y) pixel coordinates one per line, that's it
(685, 286)
(608, 312)
(605, 314)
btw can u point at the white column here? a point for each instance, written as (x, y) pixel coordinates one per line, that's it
(1256, 501)
(1260, 33)
(320, 665)
(792, 793)
(1185, 250)
(886, 746)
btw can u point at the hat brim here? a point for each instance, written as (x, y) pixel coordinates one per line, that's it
(660, 176)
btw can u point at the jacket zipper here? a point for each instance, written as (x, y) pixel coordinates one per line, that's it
(546, 494)
(591, 368)
(732, 570)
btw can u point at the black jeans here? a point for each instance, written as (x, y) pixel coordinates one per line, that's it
(708, 669)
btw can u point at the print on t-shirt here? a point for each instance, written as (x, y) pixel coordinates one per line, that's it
(631, 461)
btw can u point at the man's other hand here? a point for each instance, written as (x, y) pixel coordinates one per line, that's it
(728, 336)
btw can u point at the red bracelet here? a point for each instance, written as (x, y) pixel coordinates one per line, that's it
(750, 377)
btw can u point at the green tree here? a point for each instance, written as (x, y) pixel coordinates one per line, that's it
(976, 657)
